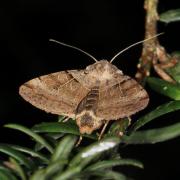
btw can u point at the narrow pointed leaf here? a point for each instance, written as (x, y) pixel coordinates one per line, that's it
(88, 153)
(64, 148)
(38, 175)
(68, 174)
(118, 127)
(2, 167)
(55, 167)
(175, 72)
(50, 138)
(111, 163)
(56, 127)
(164, 87)
(16, 155)
(5, 171)
(4, 175)
(170, 16)
(153, 135)
(29, 151)
(59, 127)
(60, 157)
(109, 175)
(176, 54)
(18, 169)
(32, 134)
(159, 111)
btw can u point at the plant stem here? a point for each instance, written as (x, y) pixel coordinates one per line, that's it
(153, 54)
(148, 52)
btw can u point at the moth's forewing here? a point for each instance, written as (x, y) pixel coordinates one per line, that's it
(57, 93)
(122, 100)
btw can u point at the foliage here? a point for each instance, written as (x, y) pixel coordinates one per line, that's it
(170, 16)
(55, 156)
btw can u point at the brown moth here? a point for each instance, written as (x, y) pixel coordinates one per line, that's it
(93, 96)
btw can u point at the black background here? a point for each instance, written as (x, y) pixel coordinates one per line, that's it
(100, 27)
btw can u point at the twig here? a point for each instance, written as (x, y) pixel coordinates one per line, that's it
(148, 52)
(153, 54)
(164, 61)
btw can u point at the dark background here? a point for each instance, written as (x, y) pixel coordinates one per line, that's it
(100, 27)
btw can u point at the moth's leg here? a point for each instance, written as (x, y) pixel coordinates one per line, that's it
(79, 141)
(65, 119)
(103, 129)
(129, 118)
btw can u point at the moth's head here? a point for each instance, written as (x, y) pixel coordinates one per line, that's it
(103, 70)
(99, 65)
(88, 123)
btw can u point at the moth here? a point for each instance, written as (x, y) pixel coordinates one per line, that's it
(92, 96)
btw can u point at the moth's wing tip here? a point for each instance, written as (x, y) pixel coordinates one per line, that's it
(24, 88)
(21, 90)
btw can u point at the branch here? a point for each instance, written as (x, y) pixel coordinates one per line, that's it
(153, 54)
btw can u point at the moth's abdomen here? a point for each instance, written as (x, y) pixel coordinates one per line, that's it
(86, 112)
(91, 99)
(89, 103)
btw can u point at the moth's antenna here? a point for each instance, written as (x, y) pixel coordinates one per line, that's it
(139, 42)
(67, 45)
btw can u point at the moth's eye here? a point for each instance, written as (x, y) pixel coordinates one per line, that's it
(88, 68)
(119, 72)
(98, 66)
(86, 72)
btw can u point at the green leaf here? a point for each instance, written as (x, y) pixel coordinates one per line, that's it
(153, 135)
(64, 148)
(108, 175)
(50, 138)
(90, 152)
(4, 175)
(7, 173)
(56, 127)
(60, 157)
(159, 111)
(2, 167)
(59, 127)
(170, 16)
(38, 175)
(164, 87)
(18, 169)
(68, 174)
(29, 151)
(16, 155)
(110, 163)
(32, 134)
(55, 167)
(175, 72)
(176, 54)
(117, 127)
